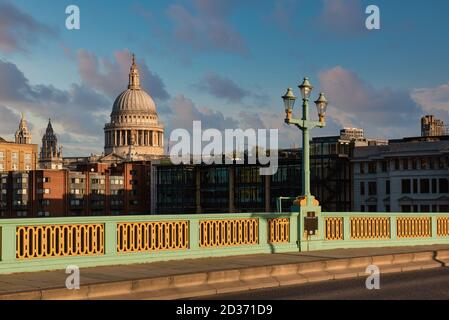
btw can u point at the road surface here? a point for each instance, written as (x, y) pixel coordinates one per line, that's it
(431, 284)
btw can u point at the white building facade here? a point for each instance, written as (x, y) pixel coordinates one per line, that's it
(404, 176)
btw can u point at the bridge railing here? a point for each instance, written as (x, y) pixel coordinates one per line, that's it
(55, 243)
(363, 229)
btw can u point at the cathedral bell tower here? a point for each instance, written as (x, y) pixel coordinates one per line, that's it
(23, 135)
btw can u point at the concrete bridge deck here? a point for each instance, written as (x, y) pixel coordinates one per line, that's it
(202, 277)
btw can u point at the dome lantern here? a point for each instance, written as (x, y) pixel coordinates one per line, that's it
(134, 78)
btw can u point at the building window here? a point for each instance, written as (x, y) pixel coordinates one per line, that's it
(388, 208)
(444, 185)
(77, 191)
(414, 164)
(21, 180)
(385, 166)
(362, 167)
(2, 167)
(387, 187)
(406, 208)
(2, 156)
(27, 161)
(425, 186)
(97, 181)
(44, 202)
(77, 180)
(405, 164)
(43, 214)
(372, 167)
(441, 163)
(415, 185)
(397, 164)
(425, 208)
(116, 181)
(372, 208)
(372, 188)
(405, 184)
(362, 188)
(118, 192)
(362, 208)
(432, 163)
(423, 163)
(76, 202)
(434, 186)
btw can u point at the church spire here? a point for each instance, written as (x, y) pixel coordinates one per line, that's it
(23, 135)
(23, 123)
(134, 78)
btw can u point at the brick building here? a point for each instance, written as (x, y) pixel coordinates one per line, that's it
(122, 189)
(20, 155)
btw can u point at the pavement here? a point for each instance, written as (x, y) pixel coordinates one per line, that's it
(212, 276)
(414, 285)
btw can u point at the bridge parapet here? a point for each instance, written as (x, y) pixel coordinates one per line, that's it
(55, 243)
(362, 229)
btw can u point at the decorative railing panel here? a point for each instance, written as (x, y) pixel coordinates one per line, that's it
(334, 228)
(363, 228)
(443, 226)
(227, 233)
(45, 241)
(414, 227)
(279, 230)
(152, 236)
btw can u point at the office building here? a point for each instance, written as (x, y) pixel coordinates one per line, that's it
(408, 175)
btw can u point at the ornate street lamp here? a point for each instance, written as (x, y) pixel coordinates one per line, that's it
(289, 102)
(321, 106)
(305, 125)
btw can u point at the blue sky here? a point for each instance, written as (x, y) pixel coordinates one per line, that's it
(223, 62)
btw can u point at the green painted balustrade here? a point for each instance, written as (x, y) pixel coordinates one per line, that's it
(54, 243)
(363, 230)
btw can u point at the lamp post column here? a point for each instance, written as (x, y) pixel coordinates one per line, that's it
(306, 153)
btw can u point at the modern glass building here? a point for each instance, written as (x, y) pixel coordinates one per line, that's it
(176, 189)
(184, 189)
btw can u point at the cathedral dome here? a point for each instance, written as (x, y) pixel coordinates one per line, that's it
(134, 132)
(134, 101)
